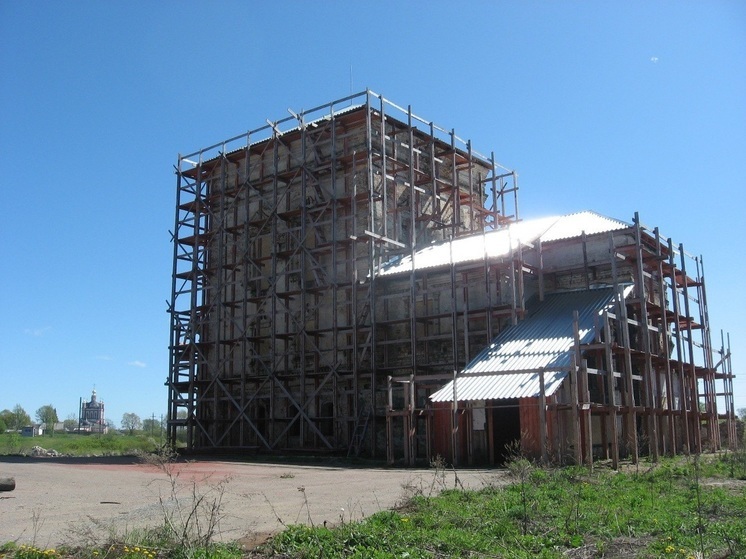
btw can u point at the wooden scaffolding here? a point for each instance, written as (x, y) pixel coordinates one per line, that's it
(288, 333)
(278, 234)
(648, 381)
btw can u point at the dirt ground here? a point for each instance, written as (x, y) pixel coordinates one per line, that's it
(72, 501)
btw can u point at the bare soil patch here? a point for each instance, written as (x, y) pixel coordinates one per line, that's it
(70, 500)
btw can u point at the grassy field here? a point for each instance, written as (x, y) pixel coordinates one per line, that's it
(74, 444)
(679, 508)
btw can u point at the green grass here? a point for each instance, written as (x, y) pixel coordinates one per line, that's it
(661, 512)
(679, 509)
(74, 444)
(121, 551)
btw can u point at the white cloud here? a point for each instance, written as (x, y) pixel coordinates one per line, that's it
(103, 357)
(137, 364)
(654, 59)
(37, 332)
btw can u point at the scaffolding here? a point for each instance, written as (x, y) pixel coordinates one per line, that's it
(649, 379)
(657, 345)
(277, 334)
(309, 314)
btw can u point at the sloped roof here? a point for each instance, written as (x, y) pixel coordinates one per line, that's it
(509, 367)
(496, 244)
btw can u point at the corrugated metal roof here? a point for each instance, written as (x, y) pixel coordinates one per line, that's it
(543, 341)
(575, 224)
(496, 244)
(496, 387)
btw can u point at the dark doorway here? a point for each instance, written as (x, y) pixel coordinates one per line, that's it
(326, 421)
(506, 427)
(261, 420)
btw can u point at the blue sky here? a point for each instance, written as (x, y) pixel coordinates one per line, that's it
(614, 107)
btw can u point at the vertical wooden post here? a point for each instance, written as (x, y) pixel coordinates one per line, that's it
(412, 427)
(454, 422)
(490, 433)
(666, 348)
(575, 419)
(469, 434)
(628, 395)
(610, 382)
(683, 413)
(586, 274)
(579, 392)
(541, 270)
(407, 427)
(631, 416)
(389, 427)
(543, 419)
(587, 419)
(649, 382)
(428, 433)
(691, 374)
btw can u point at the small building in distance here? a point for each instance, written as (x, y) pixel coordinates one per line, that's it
(92, 419)
(35, 430)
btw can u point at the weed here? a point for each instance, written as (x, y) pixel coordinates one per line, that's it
(33, 552)
(306, 506)
(418, 487)
(521, 469)
(191, 517)
(37, 522)
(438, 464)
(698, 493)
(734, 463)
(659, 511)
(12, 443)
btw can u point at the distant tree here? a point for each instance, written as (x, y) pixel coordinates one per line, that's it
(741, 413)
(15, 419)
(22, 418)
(152, 426)
(131, 422)
(47, 414)
(3, 426)
(71, 422)
(6, 416)
(181, 431)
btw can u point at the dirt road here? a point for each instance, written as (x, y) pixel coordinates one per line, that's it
(58, 501)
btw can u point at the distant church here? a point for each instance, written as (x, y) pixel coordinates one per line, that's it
(92, 417)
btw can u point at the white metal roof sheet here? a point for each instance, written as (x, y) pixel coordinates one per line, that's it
(509, 367)
(497, 244)
(495, 387)
(575, 224)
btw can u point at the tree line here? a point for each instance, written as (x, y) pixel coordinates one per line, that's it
(17, 418)
(132, 423)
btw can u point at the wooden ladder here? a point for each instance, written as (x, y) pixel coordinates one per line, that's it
(358, 434)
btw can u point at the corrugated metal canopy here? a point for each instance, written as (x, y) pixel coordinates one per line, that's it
(497, 244)
(509, 367)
